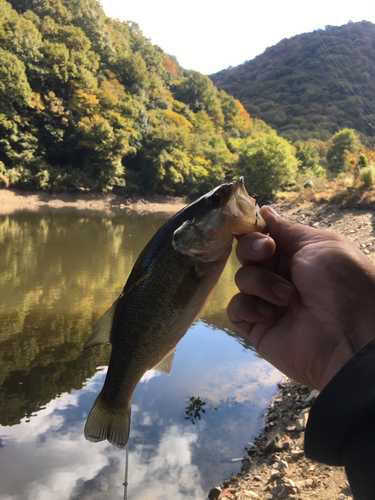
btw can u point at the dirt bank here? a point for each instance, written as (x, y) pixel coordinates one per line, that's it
(12, 200)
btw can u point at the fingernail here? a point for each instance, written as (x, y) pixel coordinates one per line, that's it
(282, 291)
(272, 211)
(258, 244)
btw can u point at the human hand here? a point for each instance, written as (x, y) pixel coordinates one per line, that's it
(307, 298)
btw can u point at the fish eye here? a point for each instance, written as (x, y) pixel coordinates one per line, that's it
(213, 200)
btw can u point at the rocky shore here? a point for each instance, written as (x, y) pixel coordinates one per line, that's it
(275, 466)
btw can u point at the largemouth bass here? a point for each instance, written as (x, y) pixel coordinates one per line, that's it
(169, 285)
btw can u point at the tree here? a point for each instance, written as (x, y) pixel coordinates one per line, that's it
(15, 91)
(199, 93)
(267, 162)
(345, 140)
(309, 160)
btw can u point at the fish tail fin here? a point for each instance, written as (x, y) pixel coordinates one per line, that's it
(106, 423)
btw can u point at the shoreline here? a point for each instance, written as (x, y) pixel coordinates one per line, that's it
(275, 466)
(12, 200)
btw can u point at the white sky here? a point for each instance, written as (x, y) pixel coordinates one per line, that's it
(210, 35)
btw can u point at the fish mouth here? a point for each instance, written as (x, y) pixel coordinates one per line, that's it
(244, 210)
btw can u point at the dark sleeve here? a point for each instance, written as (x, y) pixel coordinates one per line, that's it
(341, 425)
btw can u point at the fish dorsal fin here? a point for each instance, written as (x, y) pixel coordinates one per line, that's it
(102, 331)
(165, 364)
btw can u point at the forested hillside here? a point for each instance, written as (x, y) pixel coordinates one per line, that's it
(311, 85)
(88, 103)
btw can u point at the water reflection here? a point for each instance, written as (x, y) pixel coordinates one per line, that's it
(59, 272)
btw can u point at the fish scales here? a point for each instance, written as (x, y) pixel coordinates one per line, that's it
(169, 285)
(155, 315)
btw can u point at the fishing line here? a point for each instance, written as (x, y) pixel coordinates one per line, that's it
(125, 483)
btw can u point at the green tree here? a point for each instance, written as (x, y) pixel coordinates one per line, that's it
(267, 162)
(15, 91)
(102, 147)
(309, 159)
(199, 93)
(345, 140)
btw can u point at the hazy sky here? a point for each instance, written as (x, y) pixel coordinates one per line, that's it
(210, 35)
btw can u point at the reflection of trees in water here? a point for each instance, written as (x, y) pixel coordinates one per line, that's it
(197, 407)
(36, 370)
(59, 273)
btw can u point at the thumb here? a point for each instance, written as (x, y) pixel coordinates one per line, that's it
(289, 236)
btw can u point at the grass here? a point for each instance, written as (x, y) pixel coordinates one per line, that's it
(339, 190)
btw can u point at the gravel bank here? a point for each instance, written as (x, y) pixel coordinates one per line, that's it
(275, 466)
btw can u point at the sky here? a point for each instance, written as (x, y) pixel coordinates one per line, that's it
(210, 35)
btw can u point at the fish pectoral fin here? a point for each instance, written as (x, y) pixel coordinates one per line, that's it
(102, 331)
(165, 364)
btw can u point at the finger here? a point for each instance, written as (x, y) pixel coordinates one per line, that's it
(247, 309)
(260, 282)
(255, 247)
(291, 236)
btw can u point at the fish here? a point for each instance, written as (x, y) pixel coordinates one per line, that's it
(168, 287)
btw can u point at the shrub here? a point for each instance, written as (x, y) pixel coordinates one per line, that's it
(368, 176)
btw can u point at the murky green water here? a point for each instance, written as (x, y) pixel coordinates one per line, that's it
(59, 272)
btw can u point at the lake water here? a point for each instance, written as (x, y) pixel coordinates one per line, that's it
(59, 272)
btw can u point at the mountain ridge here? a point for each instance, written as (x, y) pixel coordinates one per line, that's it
(311, 85)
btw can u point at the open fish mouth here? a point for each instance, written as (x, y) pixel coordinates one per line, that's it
(244, 211)
(228, 211)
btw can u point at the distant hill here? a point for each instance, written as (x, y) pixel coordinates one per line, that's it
(311, 85)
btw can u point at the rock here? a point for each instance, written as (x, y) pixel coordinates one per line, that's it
(214, 493)
(296, 454)
(252, 451)
(280, 491)
(246, 465)
(289, 482)
(309, 483)
(301, 422)
(282, 465)
(313, 395)
(274, 476)
(251, 494)
(287, 445)
(271, 444)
